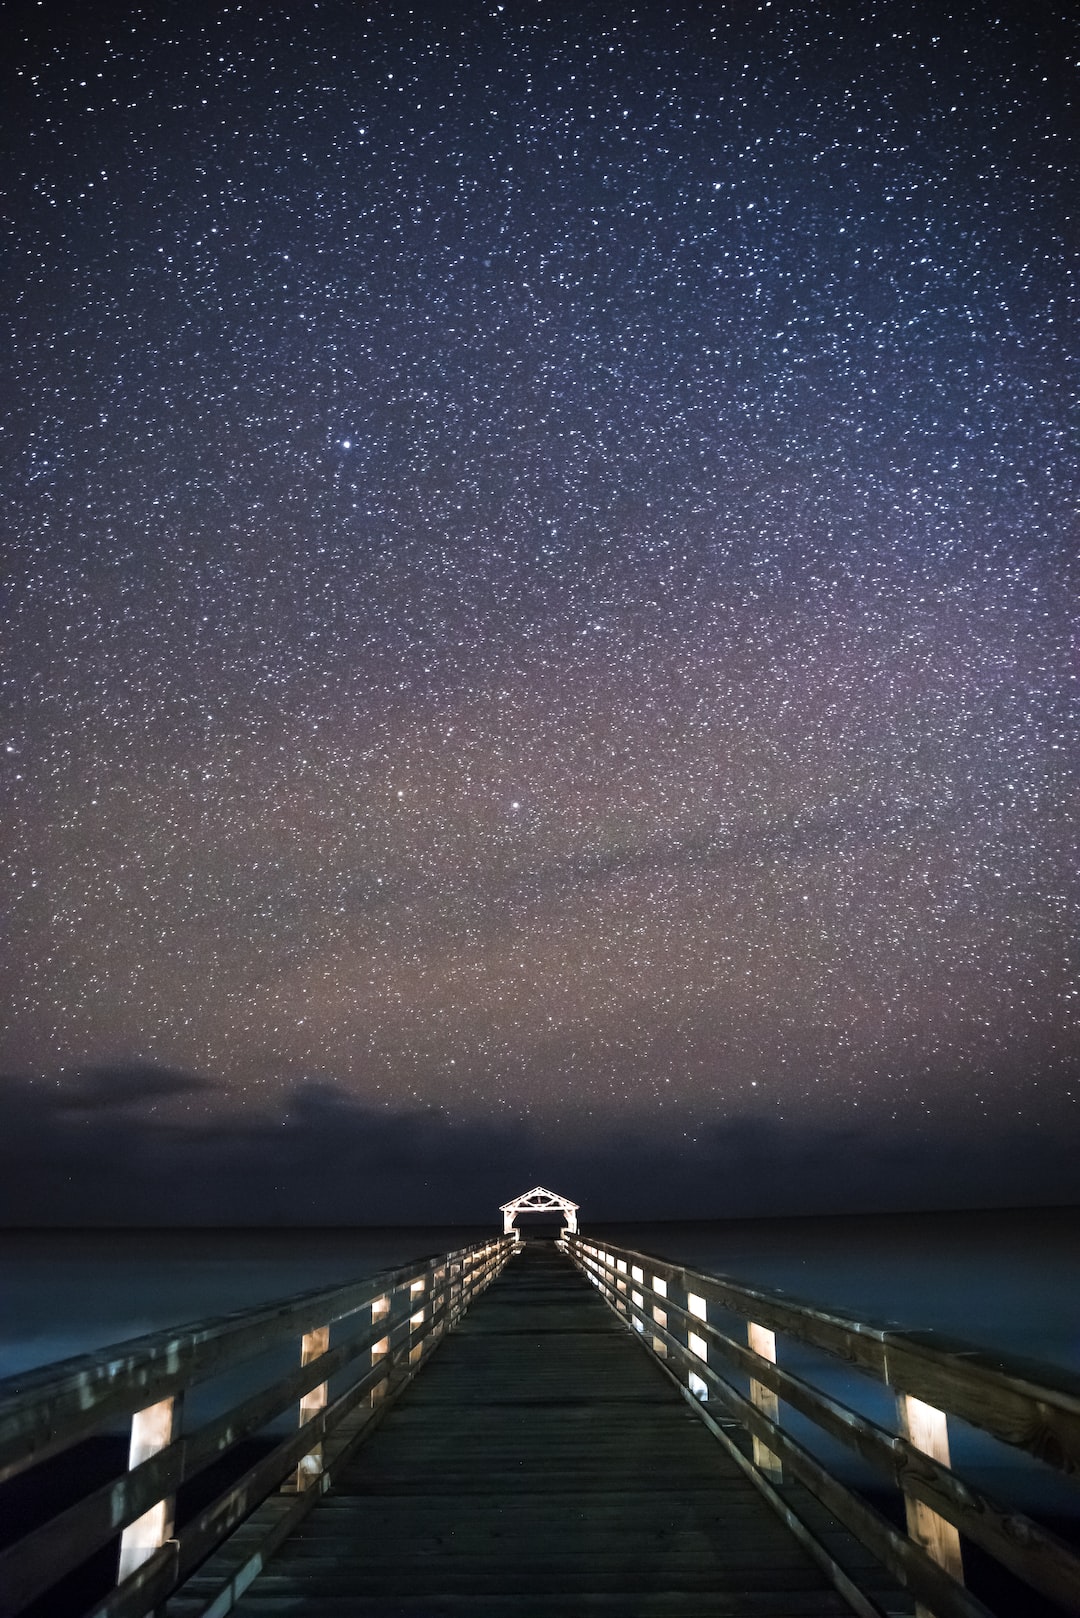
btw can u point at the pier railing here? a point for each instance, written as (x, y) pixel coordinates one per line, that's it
(355, 1347)
(685, 1318)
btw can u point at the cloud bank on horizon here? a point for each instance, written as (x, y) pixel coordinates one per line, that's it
(100, 1152)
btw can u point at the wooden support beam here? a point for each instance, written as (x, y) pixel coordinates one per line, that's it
(313, 1345)
(927, 1429)
(152, 1429)
(763, 1342)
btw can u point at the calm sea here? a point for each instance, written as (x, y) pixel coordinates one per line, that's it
(1008, 1280)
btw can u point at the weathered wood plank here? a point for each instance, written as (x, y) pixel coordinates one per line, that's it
(654, 1604)
(555, 1574)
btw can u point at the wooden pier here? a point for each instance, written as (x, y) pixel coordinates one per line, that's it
(600, 1431)
(542, 1465)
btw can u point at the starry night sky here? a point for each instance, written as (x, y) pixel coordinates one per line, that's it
(537, 591)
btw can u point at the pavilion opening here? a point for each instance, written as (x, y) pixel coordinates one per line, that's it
(539, 1201)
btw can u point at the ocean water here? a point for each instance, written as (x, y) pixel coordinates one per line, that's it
(1006, 1280)
(67, 1292)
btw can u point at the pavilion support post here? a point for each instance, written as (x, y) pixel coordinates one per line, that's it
(763, 1342)
(927, 1428)
(152, 1429)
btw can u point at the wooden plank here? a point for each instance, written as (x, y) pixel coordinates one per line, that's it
(1031, 1407)
(554, 1575)
(641, 1604)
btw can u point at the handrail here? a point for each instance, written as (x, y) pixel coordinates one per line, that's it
(1022, 1402)
(386, 1325)
(1033, 1407)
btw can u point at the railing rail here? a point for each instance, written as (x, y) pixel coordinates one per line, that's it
(1035, 1408)
(386, 1326)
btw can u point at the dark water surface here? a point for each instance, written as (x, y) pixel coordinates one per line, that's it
(1005, 1279)
(1008, 1280)
(66, 1292)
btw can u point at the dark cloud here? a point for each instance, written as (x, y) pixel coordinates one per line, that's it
(323, 1158)
(125, 1084)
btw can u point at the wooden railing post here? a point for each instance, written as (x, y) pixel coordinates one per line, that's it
(418, 1301)
(927, 1429)
(313, 1344)
(698, 1308)
(637, 1274)
(438, 1299)
(380, 1350)
(659, 1314)
(763, 1342)
(620, 1284)
(151, 1430)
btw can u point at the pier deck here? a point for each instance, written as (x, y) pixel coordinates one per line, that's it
(540, 1465)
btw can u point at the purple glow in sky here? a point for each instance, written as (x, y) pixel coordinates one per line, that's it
(538, 571)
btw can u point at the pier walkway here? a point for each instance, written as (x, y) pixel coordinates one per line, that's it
(540, 1430)
(540, 1465)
